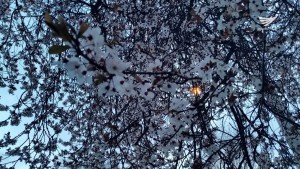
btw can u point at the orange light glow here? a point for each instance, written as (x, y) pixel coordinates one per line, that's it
(196, 90)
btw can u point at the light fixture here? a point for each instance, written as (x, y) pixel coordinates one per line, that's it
(196, 90)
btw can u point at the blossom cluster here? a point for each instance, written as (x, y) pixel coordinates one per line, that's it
(154, 84)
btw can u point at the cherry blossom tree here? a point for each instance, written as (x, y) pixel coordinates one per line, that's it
(151, 84)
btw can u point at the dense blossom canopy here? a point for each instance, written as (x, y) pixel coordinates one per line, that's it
(150, 83)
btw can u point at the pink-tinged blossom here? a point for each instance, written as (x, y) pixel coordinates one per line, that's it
(123, 86)
(75, 69)
(106, 89)
(170, 87)
(178, 104)
(153, 66)
(93, 37)
(115, 66)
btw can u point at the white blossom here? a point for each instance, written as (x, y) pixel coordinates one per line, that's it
(114, 65)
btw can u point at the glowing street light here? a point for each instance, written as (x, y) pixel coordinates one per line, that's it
(196, 90)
